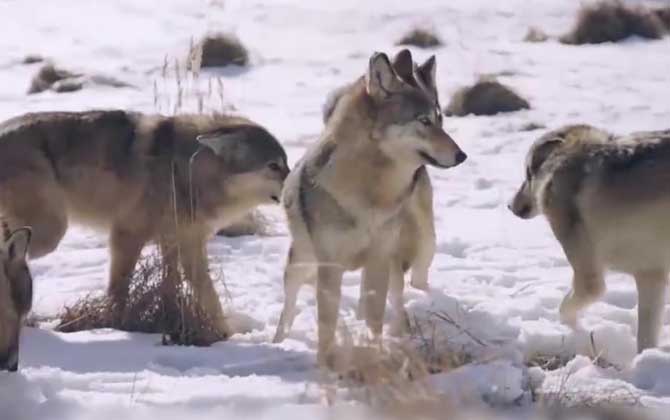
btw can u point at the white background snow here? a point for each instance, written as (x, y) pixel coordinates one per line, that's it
(498, 277)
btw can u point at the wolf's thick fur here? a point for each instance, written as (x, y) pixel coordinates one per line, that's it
(343, 200)
(416, 247)
(173, 180)
(607, 200)
(16, 293)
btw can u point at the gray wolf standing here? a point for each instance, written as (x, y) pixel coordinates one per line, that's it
(172, 180)
(417, 247)
(607, 200)
(344, 199)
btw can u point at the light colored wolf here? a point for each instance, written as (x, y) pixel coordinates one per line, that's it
(16, 293)
(172, 180)
(607, 200)
(417, 247)
(344, 199)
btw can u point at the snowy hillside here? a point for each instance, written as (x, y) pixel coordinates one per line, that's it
(500, 279)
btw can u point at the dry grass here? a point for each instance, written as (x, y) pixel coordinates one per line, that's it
(420, 37)
(155, 305)
(486, 97)
(46, 76)
(32, 59)
(220, 50)
(535, 34)
(613, 21)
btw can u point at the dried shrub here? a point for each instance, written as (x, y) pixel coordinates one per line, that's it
(46, 76)
(613, 21)
(254, 223)
(50, 77)
(219, 50)
(535, 34)
(486, 97)
(32, 59)
(420, 37)
(156, 304)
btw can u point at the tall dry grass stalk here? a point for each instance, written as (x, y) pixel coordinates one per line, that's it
(181, 87)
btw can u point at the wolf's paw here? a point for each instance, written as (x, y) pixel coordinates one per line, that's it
(568, 312)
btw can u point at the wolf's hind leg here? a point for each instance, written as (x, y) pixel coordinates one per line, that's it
(299, 268)
(651, 289)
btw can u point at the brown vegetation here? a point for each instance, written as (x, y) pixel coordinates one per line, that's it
(486, 97)
(420, 37)
(613, 21)
(219, 50)
(156, 304)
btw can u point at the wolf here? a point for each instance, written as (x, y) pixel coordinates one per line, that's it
(141, 178)
(344, 198)
(16, 293)
(417, 248)
(607, 200)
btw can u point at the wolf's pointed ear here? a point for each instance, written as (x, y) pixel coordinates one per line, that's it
(404, 67)
(543, 151)
(381, 80)
(229, 138)
(425, 73)
(16, 245)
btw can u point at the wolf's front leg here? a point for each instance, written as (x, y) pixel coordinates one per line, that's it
(193, 252)
(125, 248)
(400, 323)
(376, 272)
(328, 293)
(651, 289)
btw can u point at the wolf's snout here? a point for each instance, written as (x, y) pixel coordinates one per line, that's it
(460, 157)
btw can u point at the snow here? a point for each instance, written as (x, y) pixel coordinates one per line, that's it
(497, 279)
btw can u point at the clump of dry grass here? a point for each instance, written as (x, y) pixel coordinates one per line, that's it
(535, 34)
(613, 21)
(486, 97)
(420, 37)
(254, 223)
(46, 76)
(156, 304)
(220, 50)
(32, 59)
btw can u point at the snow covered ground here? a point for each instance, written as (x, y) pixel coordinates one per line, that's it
(500, 279)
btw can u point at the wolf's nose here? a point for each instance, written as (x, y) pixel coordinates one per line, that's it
(460, 157)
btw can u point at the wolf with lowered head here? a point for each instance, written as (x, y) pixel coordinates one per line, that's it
(344, 199)
(607, 200)
(141, 178)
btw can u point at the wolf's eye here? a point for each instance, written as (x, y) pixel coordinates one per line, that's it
(424, 120)
(274, 166)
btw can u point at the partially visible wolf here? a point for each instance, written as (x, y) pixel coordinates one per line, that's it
(607, 200)
(16, 293)
(172, 180)
(416, 249)
(344, 199)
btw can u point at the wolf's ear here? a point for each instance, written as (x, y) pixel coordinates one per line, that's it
(381, 80)
(542, 153)
(225, 139)
(16, 245)
(404, 67)
(425, 73)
